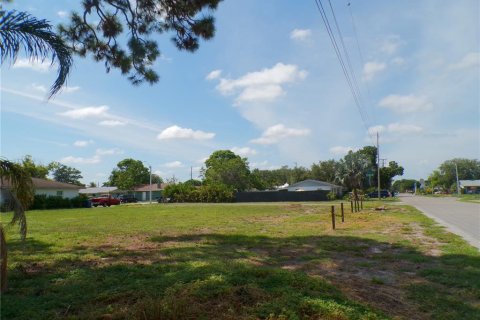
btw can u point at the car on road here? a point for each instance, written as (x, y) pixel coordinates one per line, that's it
(126, 198)
(383, 194)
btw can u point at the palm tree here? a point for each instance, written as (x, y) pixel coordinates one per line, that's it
(21, 191)
(20, 30)
(351, 170)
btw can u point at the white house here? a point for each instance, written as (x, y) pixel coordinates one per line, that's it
(470, 186)
(43, 187)
(313, 185)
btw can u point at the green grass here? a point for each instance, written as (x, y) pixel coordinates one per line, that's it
(239, 261)
(475, 198)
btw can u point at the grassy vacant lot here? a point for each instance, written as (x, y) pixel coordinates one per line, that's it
(258, 261)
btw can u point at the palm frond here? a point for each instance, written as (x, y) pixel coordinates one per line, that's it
(21, 190)
(20, 30)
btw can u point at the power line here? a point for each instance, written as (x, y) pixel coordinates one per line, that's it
(347, 72)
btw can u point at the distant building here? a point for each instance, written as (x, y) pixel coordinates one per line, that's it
(97, 191)
(43, 187)
(142, 193)
(314, 185)
(470, 186)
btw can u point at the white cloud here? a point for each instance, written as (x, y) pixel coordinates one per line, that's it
(406, 104)
(262, 86)
(278, 132)
(176, 132)
(470, 60)
(244, 152)
(83, 143)
(107, 152)
(62, 14)
(96, 158)
(300, 34)
(370, 69)
(214, 75)
(39, 87)
(398, 61)
(340, 150)
(35, 64)
(391, 44)
(173, 164)
(70, 89)
(403, 128)
(264, 165)
(374, 129)
(80, 160)
(82, 113)
(112, 123)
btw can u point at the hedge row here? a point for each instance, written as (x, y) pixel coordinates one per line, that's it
(186, 192)
(41, 202)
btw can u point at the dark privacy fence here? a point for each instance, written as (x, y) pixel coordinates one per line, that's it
(278, 196)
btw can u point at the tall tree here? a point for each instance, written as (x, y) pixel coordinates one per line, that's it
(118, 32)
(128, 174)
(388, 173)
(19, 30)
(227, 168)
(21, 190)
(445, 176)
(66, 174)
(324, 170)
(35, 170)
(352, 169)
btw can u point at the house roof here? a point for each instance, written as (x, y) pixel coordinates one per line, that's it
(312, 183)
(469, 183)
(97, 190)
(153, 187)
(45, 184)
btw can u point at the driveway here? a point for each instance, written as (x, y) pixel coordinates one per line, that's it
(462, 218)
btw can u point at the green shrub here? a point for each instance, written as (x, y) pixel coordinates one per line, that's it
(186, 192)
(43, 202)
(331, 196)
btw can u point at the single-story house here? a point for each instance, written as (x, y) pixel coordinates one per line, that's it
(470, 186)
(313, 185)
(43, 187)
(142, 193)
(97, 191)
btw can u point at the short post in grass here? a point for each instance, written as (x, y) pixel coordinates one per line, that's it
(333, 217)
(351, 205)
(343, 214)
(361, 203)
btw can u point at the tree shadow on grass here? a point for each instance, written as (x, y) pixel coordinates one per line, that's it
(216, 276)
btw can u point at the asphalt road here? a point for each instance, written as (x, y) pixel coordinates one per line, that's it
(462, 218)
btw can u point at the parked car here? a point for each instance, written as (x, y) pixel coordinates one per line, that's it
(126, 198)
(383, 194)
(105, 201)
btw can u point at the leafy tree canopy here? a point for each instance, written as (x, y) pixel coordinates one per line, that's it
(66, 174)
(352, 170)
(35, 170)
(445, 176)
(227, 168)
(128, 174)
(388, 173)
(119, 32)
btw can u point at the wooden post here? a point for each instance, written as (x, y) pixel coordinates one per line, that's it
(343, 214)
(333, 217)
(361, 203)
(351, 205)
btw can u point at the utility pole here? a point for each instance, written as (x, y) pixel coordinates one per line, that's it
(378, 167)
(458, 185)
(191, 173)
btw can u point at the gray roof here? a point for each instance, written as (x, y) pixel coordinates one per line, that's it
(97, 190)
(312, 183)
(469, 183)
(43, 184)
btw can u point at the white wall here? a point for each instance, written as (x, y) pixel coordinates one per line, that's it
(67, 193)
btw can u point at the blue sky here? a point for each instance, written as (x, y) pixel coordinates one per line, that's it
(268, 87)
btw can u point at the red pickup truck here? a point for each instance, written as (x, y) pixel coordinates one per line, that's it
(104, 200)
